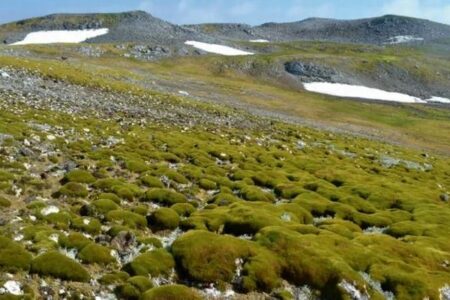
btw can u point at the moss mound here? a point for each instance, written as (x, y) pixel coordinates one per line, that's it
(164, 196)
(80, 176)
(210, 258)
(96, 254)
(57, 265)
(13, 257)
(171, 292)
(4, 202)
(72, 189)
(162, 219)
(154, 263)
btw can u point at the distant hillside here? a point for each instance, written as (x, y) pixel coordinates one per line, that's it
(139, 26)
(136, 26)
(385, 29)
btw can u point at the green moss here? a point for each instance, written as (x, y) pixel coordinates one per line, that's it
(109, 196)
(127, 218)
(136, 166)
(61, 220)
(6, 176)
(133, 288)
(171, 292)
(211, 258)
(163, 218)
(73, 241)
(89, 225)
(207, 184)
(153, 263)
(80, 176)
(151, 181)
(183, 209)
(57, 265)
(252, 193)
(103, 206)
(4, 202)
(224, 199)
(13, 257)
(150, 241)
(114, 278)
(72, 189)
(164, 196)
(96, 254)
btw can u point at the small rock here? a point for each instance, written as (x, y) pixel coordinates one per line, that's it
(4, 74)
(13, 287)
(123, 241)
(444, 197)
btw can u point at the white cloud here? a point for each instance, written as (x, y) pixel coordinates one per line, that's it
(436, 10)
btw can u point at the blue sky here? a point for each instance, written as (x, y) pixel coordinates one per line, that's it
(246, 11)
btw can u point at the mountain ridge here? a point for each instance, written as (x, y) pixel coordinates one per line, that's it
(140, 26)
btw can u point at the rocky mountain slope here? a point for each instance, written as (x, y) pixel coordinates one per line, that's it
(380, 30)
(136, 26)
(142, 27)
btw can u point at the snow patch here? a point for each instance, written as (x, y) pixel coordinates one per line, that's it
(438, 100)
(357, 91)
(217, 49)
(259, 41)
(49, 210)
(61, 36)
(400, 39)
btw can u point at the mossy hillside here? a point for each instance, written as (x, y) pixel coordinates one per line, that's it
(347, 215)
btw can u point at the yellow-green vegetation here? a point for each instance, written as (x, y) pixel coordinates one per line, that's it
(13, 257)
(258, 209)
(94, 253)
(163, 218)
(171, 292)
(57, 265)
(153, 263)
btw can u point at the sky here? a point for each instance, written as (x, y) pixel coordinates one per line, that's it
(237, 11)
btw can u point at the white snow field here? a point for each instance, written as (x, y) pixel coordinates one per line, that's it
(399, 39)
(259, 41)
(217, 49)
(61, 36)
(439, 99)
(357, 91)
